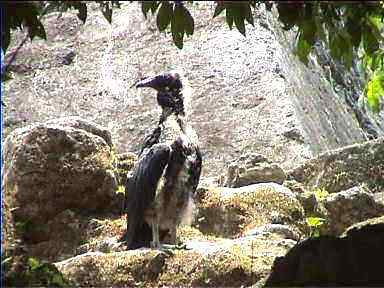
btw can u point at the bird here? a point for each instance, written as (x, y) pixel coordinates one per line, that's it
(161, 186)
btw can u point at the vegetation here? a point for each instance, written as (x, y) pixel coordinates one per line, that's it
(29, 271)
(314, 224)
(350, 31)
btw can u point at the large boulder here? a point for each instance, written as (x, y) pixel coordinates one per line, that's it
(251, 168)
(232, 212)
(208, 262)
(352, 260)
(344, 168)
(52, 172)
(349, 207)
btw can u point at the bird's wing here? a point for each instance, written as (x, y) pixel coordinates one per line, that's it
(195, 170)
(141, 187)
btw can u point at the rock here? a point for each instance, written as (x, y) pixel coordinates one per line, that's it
(352, 260)
(283, 230)
(230, 212)
(124, 163)
(105, 245)
(52, 167)
(251, 169)
(379, 197)
(344, 168)
(349, 207)
(294, 186)
(294, 134)
(207, 262)
(309, 202)
(67, 57)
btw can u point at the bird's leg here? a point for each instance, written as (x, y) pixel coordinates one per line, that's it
(155, 234)
(172, 238)
(171, 242)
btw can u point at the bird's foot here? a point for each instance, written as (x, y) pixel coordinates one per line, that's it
(155, 245)
(170, 248)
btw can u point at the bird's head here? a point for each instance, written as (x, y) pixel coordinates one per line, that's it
(164, 82)
(170, 87)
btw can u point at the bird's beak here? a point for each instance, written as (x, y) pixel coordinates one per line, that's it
(146, 82)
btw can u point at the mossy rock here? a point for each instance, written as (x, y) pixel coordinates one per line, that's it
(344, 168)
(231, 212)
(215, 262)
(25, 271)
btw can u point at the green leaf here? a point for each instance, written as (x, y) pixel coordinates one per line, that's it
(145, 7)
(164, 15)
(377, 60)
(248, 13)
(155, 5)
(240, 25)
(189, 23)
(82, 8)
(107, 12)
(219, 8)
(314, 221)
(33, 263)
(289, 15)
(375, 91)
(321, 194)
(309, 31)
(229, 18)
(335, 45)
(36, 28)
(345, 48)
(177, 26)
(370, 42)
(178, 16)
(354, 29)
(177, 37)
(303, 48)
(58, 280)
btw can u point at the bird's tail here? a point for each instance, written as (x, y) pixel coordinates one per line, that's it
(139, 236)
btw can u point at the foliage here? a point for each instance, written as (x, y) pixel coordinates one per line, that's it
(120, 189)
(30, 272)
(320, 194)
(28, 14)
(314, 224)
(348, 30)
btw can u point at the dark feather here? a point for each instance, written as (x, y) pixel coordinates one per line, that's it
(195, 170)
(170, 153)
(141, 189)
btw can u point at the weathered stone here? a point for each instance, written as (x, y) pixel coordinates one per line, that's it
(124, 163)
(294, 186)
(309, 202)
(251, 169)
(283, 230)
(349, 207)
(353, 260)
(344, 168)
(294, 134)
(214, 262)
(105, 245)
(52, 167)
(229, 212)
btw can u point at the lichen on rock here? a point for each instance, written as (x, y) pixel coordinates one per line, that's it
(230, 212)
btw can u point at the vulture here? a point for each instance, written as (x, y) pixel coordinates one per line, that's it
(160, 187)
